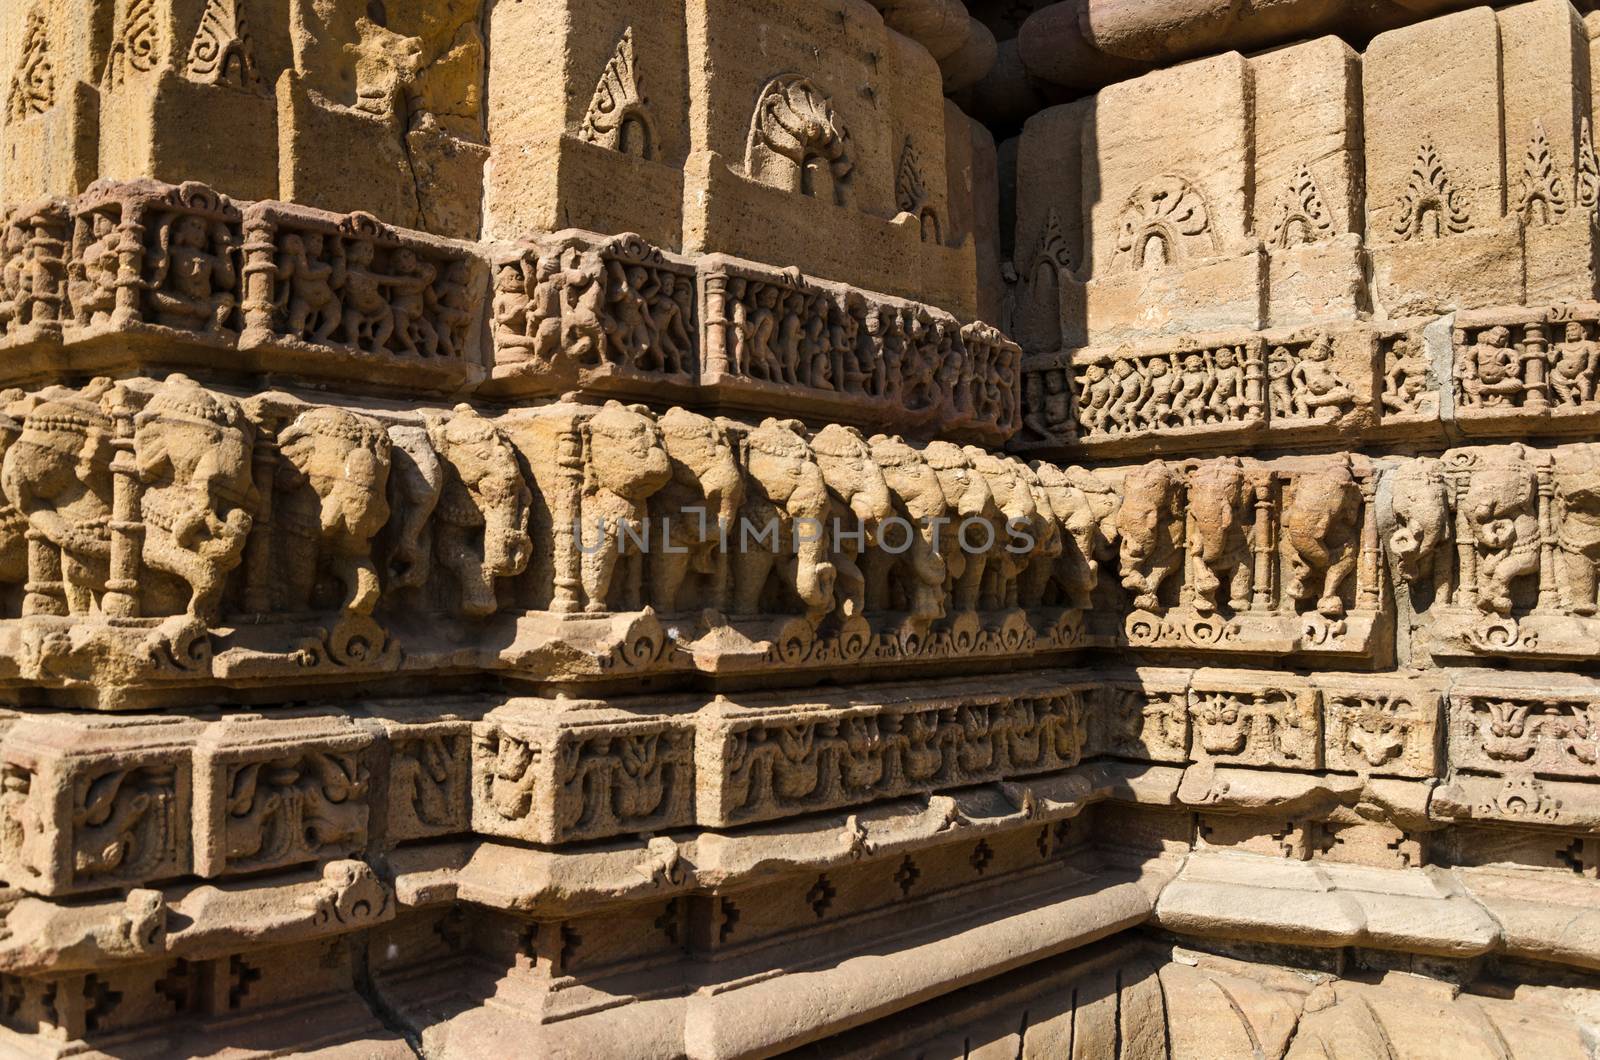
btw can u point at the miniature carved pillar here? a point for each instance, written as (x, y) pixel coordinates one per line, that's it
(258, 581)
(1549, 592)
(130, 267)
(45, 593)
(1369, 589)
(1261, 597)
(47, 256)
(715, 322)
(1536, 392)
(121, 599)
(567, 505)
(1466, 549)
(1255, 373)
(260, 277)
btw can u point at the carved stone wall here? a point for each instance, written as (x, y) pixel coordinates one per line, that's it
(549, 527)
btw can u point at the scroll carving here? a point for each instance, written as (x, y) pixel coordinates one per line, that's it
(1165, 221)
(618, 117)
(33, 84)
(222, 52)
(1430, 207)
(798, 142)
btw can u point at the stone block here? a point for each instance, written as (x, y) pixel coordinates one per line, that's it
(1049, 238)
(586, 772)
(559, 154)
(1436, 208)
(96, 804)
(276, 792)
(1240, 717)
(866, 188)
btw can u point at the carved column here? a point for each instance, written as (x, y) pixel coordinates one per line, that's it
(121, 598)
(1549, 591)
(1369, 587)
(1466, 549)
(47, 256)
(566, 504)
(1255, 374)
(45, 592)
(1535, 392)
(260, 277)
(130, 266)
(1261, 598)
(258, 581)
(714, 319)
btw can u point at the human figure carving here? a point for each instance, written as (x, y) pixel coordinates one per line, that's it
(1318, 392)
(310, 286)
(1226, 401)
(193, 280)
(1490, 373)
(1405, 377)
(367, 318)
(1322, 529)
(92, 274)
(411, 297)
(1573, 367)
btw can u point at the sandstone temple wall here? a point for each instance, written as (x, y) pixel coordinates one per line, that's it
(562, 528)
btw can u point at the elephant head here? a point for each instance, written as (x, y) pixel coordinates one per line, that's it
(787, 484)
(1421, 506)
(416, 483)
(916, 488)
(1150, 524)
(1321, 526)
(858, 483)
(342, 458)
(194, 458)
(484, 488)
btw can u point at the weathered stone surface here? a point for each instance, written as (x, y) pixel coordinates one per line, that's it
(602, 529)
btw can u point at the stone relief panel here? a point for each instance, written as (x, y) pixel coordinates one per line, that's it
(1236, 555)
(1491, 544)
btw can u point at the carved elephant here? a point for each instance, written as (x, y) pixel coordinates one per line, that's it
(919, 498)
(193, 452)
(58, 475)
(1577, 498)
(1219, 511)
(416, 484)
(968, 499)
(1501, 508)
(332, 487)
(786, 499)
(1150, 524)
(697, 509)
(1322, 528)
(481, 522)
(1086, 533)
(1017, 514)
(624, 464)
(860, 502)
(1420, 502)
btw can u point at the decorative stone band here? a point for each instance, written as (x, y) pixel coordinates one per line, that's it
(578, 311)
(137, 275)
(207, 542)
(1482, 373)
(96, 803)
